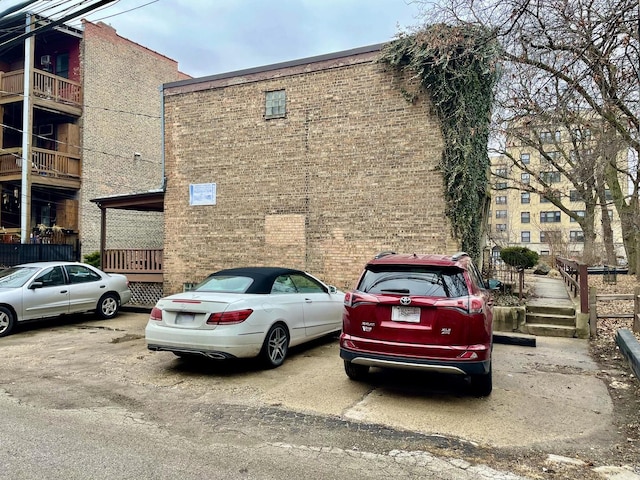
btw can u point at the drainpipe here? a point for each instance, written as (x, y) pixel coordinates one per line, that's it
(25, 196)
(163, 186)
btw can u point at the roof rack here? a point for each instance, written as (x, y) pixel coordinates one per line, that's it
(385, 253)
(456, 256)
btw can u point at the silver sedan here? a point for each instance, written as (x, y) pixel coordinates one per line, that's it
(38, 290)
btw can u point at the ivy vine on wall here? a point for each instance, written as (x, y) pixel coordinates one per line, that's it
(457, 67)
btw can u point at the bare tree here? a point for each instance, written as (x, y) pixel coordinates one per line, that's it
(575, 64)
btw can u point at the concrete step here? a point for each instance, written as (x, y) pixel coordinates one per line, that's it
(542, 330)
(551, 319)
(568, 310)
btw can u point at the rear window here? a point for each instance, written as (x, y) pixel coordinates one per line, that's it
(224, 284)
(424, 281)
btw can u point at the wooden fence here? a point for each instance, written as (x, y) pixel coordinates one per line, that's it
(594, 298)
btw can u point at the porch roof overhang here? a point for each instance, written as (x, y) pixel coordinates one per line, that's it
(142, 202)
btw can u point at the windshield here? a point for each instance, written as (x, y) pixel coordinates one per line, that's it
(225, 284)
(16, 276)
(425, 281)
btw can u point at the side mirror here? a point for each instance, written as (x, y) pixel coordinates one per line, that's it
(332, 289)
(35, 285)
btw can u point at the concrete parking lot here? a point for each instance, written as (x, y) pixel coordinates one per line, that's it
(549, 399)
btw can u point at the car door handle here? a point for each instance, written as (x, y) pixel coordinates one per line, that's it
(64, 291)
(308, 300)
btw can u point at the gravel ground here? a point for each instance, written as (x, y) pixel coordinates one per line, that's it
(624, 387)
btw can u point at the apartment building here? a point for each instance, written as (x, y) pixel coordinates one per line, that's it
(523, 179)
(81, 118)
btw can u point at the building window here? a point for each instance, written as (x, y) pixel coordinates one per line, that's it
(544, 199)
(579, 213)
(550, 217)
(501, 200)
(501, 227)
(501, 186)
(501, 172)
(610, 214)
(525, 178)
(550, 177)
(543, 236)
(544, 253)
(553, 155)
(525, 197)
(501, 214)
(582, 134)
(607, 195)
(525, 158)
(574, 196)
(576, 236)
(525, 217)
(275, 104)
(550, 137)
(525, 237)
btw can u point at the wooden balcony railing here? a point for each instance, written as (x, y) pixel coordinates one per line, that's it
(55, 164)
(45, 85)
(141, 265)
(43, 162)
(10, 161)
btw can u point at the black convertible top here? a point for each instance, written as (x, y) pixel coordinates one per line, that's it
(263, 277)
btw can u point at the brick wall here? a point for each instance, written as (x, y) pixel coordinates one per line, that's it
(351, 170)
(121, 116)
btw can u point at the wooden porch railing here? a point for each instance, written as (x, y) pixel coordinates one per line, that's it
(137, 264)
(576, 277)
(55, 164)
(44, 162)
(45, 85)
(10, 160)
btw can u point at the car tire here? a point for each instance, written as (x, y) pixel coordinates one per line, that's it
(275, 346)
(354, 371)
(7, 321)
(481, 385)
(108, 306)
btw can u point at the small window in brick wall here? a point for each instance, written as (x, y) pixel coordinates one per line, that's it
(275, 106)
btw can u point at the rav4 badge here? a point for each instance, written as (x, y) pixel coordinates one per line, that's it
(367, 326)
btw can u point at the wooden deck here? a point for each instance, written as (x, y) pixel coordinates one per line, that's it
(139, 265)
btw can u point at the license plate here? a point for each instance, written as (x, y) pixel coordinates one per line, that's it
(184, 318)
(405, 314)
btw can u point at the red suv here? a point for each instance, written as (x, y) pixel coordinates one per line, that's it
(420, 312)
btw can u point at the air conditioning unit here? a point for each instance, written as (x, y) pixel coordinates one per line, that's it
(45, 130)
(45, 60)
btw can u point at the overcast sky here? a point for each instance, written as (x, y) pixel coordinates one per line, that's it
(208, 37)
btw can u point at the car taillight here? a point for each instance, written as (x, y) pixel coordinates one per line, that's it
(156, 314)
(476, 305)
(229, 318)
(347, 299)
(469, 304)
(353, 299)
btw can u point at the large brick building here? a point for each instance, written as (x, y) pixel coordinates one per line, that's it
(121, 134)
(84, 107)
(316, 164)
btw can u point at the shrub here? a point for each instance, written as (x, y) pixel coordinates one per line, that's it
(519, 257)
(92, 259)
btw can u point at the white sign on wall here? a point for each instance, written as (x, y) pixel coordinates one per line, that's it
(202, 194)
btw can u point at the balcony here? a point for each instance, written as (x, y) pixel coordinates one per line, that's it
(50, 91)
(48, 167)
(139, 265)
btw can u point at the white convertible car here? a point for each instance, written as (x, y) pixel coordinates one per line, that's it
(246, 312)
(48, 289)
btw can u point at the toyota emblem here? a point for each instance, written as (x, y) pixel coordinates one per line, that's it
(405, 300)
